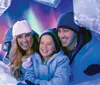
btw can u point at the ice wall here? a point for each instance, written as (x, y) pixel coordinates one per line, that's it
(4, 4)
(87, 13)
(52, 3)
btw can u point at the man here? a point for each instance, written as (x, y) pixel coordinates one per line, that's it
(81, 46)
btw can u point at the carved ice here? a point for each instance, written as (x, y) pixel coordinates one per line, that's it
(4, 4)
(87, 14)
(52, 3)
(5, 76)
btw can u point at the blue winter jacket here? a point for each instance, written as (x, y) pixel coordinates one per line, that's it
(88, 55)
(55, 71)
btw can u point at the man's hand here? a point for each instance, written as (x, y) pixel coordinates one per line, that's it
(92, 69)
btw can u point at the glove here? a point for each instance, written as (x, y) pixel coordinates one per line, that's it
(92, 69)
(30, 83)
(26, 62)
(21, 84)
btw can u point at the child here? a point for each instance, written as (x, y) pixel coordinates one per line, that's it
(50, 66)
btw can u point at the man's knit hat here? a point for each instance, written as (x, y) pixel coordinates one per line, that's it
(21, 27)
(66, 20)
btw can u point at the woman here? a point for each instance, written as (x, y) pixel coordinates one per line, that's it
(24, 43)
(51, 67)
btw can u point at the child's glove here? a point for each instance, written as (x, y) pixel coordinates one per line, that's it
(30, 83)
(21, 84)
(92, 69)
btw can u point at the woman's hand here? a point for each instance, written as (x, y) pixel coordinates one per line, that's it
(26, 62)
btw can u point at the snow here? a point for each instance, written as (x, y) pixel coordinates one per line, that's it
(5, 76)
(90, 82)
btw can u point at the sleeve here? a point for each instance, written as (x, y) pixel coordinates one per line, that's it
(61, 75)
(30, 75)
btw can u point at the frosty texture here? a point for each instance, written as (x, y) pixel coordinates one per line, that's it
(87, 14)
(52, 3)
(4, 4)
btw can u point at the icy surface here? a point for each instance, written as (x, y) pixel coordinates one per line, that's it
(5, 76)
(87, 13)
(92, 82)
(4, 4)
(52, 3)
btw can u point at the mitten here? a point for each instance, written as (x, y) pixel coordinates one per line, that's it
(92, 69)
(30, 83)
(26, 62)
(21, 83)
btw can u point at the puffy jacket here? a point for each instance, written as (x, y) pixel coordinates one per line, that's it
(88, 55)
(87, 52)
(55, 71)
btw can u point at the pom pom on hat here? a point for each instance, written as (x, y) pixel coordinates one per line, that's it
(21, 27)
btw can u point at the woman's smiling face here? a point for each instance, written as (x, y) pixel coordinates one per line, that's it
(25, 41)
